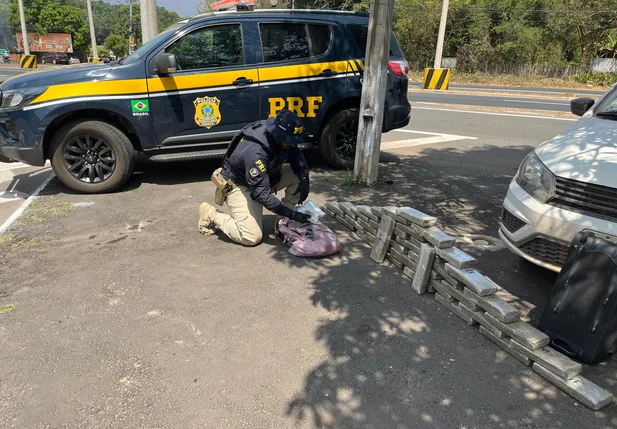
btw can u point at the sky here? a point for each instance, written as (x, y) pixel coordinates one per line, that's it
(183, 7)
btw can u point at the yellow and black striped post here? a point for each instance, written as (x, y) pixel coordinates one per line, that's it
(93, 60)
(436, 78)
(27, 62)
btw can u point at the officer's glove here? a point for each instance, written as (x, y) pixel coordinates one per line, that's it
(303, 189)
(300, 217)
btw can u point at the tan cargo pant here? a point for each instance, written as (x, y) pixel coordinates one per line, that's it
(244, 224)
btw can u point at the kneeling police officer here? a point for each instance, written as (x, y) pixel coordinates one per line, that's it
(253, 171)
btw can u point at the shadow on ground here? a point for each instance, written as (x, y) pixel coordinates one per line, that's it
(398, 360)
(385, 367)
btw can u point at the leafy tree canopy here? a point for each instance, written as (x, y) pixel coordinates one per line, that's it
(70, 16)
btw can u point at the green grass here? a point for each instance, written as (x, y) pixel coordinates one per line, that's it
(347, 179)
(41, 211)
(6, 238)
(7, 308)
(25, 242)
(59, 210)
(596, 78)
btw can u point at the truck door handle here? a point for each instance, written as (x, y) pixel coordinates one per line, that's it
(327, 73)
(242, 81)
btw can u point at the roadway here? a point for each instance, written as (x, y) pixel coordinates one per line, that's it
(492, 100)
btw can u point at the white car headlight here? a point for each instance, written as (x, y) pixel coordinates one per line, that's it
(20, 97)
(537, 180)
(12, 99)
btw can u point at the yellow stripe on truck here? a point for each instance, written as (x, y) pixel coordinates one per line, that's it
(267, 74)
(182, 82)
(85, 89)
(200, 80)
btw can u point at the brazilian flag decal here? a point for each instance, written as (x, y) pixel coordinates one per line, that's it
(140, 107)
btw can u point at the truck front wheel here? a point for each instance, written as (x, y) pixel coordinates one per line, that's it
(92, 157)
(338, 140)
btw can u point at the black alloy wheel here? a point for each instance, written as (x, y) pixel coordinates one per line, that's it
(89, 159)
(346, 139)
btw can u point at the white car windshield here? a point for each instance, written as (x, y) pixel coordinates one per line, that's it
(608, 107)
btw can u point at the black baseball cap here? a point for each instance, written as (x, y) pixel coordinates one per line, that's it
(286, 128)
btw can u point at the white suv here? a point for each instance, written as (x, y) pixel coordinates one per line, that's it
(566, 185)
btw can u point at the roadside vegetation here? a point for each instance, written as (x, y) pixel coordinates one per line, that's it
(595, 78)
(70, 16)
(586, 80)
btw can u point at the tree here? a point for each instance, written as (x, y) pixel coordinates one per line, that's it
(70, 16)
(7, 40)
(118, 45)
(104, 15)
(203, 6)
(167, 18)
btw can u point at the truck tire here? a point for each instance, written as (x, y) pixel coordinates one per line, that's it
(338, 140)
(92, 157)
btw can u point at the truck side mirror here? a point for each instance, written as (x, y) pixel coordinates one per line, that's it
(165, 63)
(580, 106)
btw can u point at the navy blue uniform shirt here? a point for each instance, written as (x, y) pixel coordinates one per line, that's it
(255, 160)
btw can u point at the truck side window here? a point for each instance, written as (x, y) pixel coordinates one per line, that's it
(320, 36)
(283, 42)
(215, 46)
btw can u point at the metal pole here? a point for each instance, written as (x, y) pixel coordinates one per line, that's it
(144, 10)
(442, 33)
(24, 31)
(154, 19)
(95, 51)
(373, 91)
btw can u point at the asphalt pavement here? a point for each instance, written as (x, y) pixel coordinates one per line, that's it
(499, 101)
(126, 317)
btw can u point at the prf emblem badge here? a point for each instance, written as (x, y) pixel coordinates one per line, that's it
(207, 113)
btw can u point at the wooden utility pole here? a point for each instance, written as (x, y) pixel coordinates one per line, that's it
(149, 20)
(95, 51)
(144, 11)
(24, 31)
(373, 91)
(442, 33)
(154, 18)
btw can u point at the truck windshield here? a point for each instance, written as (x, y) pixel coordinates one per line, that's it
(143, 51)
(608, 106)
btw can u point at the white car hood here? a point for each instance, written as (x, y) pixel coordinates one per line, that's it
(586, 151)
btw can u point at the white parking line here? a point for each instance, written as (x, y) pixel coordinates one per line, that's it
(435, 138)
(475, 112)
(6, 225)
(15, 165)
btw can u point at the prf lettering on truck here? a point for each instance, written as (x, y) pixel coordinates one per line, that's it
(301, 107)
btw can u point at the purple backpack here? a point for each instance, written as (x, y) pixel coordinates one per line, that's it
(307, 240)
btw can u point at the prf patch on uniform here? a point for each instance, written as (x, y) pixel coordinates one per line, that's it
(260, 165)
(140, 107)
(207, 113)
